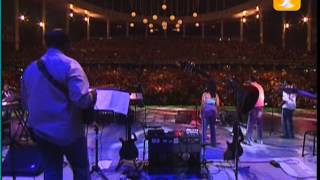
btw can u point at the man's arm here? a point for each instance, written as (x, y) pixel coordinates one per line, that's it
(78, 87)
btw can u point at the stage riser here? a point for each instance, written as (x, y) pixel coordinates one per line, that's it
(271, 122)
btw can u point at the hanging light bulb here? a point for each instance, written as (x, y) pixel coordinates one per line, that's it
(257, 16)
(197, 24)
(177, 25)
(71, 6)
(244, 12)
(86, 19)
(145, 20)
(41, 24)
(133, 14)
(164, 6)
(71, 14)
(22, 17)
(194, 14)
(131, 24)
(150, 25)
(172, 17)
(164, 23)
(178, 29)
(286, 25)
(244, 19)
(151, 30)
(155, 17)
(180, 21)
(305, 19)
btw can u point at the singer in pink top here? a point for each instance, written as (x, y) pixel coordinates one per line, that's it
(255, 115)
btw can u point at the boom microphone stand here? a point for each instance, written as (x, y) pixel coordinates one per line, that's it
(237, 94)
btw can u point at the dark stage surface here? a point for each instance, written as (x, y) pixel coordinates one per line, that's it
(254, 163)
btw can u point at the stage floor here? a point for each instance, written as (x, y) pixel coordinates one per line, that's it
(254, 163)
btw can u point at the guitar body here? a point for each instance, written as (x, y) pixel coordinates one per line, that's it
(129, 150)
(229, 154)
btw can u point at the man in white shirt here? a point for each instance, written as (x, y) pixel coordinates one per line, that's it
(55, 117)
(288, 107)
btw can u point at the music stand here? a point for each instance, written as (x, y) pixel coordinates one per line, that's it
(136, 98)
(110, 100)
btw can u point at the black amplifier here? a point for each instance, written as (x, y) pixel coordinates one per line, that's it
(174, 151)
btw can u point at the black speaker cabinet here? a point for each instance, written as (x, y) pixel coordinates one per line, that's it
(171, 154)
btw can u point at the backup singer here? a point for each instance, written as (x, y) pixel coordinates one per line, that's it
(255, 115)
(209, 110)
(55, 117)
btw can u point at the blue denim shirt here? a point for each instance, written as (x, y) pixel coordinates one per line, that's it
(51, 114)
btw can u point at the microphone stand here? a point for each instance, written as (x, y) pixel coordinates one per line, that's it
(272, 119)
(95, 167)
(236, 127)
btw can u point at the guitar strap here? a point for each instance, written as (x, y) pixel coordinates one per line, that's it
(43, 69)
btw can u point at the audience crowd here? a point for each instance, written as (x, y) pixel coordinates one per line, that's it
(164, 51)
(151, 64)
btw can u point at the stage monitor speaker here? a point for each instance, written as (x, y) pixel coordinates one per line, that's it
(172, 153)
(23, 160)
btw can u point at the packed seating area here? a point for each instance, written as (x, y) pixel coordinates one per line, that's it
(169, 84)
(198, 50)
(152, 63)
(168, 51)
